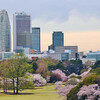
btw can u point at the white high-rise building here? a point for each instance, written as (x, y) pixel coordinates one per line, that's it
(5, 33)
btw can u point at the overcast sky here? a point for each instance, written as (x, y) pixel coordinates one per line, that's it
(69, 16)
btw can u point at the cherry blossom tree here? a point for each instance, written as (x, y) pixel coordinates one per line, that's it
(61, 74)
(90, 92)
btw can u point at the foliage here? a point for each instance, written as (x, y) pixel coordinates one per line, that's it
(42, 70)
(54, 78)
(72, 81)
(96, 65)
(89, 80)
(38, 80)
(98, 80)
(75, 67)
(83, 70)
(58, 85)
(72, 95)
(90, 92)
(12, 69)
(63, 91)
(60, 66)
(78, 77)
(60, 74)
(25, 83)
(34, 66)
(96, 71)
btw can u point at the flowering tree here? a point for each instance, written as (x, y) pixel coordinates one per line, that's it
(90, 92)
(58, 85)
(61, 74)
(38, 80)
(63, 91)
(73, 74)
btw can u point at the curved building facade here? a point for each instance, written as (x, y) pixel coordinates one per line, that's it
(5, 33)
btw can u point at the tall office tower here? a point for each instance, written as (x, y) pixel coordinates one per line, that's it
(5, 33)
(58, 39)
(21, 27)
(36, 38)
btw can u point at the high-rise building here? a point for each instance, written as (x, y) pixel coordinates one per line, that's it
(58, 39)
(5, 33)
(21, 26)
(36, 38)
(24, 40)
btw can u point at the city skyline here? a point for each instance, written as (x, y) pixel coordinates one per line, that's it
(78, 20)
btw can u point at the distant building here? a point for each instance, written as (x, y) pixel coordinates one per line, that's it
(92, 60)
(24, 40)
(58, 39)
(95, 55)
(36, 38)
(71, 49)
(5, 33)
(21, 25)
(50, 47)
(6, 55)
(59, 56)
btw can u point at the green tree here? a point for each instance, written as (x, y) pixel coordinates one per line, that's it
(4, 75)
(34, 66)
(96, 65)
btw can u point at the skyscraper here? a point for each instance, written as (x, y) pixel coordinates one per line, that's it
(5, 33)
(58, 39)
(36, 38)
(21, 27)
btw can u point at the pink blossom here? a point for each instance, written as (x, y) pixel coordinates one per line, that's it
(38, 80)
(62, 75)
(90, 91)
(63, 91)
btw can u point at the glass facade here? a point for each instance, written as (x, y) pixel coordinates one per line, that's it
(22, 30)
(64, 56)
(36, 39)
(22, 24)
(5, 33)
(58, 39)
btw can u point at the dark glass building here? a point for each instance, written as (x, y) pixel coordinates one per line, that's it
(58, 39)
(22, 27)
(36, 38)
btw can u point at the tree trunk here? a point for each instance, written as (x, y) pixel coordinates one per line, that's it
(13, 86)
(17, 85)
(4, 90)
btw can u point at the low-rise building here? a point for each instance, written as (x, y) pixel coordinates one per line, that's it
(95, 55)
(6, 55)
(73, 50)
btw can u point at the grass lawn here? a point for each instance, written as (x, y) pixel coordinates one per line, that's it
(39, 93)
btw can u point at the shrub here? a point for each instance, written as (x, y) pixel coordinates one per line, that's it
(79, 77)
(89, 80)
(72, 81)
(54, 78)
(83, 70)
(72, 95)
(98, 80)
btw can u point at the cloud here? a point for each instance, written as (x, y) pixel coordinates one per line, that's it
(75, 23)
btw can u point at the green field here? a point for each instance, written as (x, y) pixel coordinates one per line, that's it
(40, 93)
